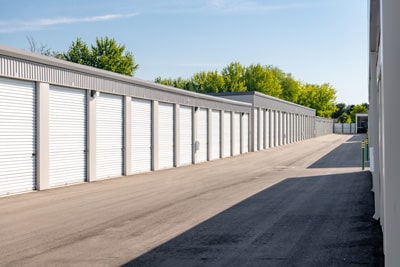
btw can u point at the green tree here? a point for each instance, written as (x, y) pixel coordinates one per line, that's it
(106, 54)
(177, 83)
(80, 53)
(340, 109)
(233, 76)
(290, 86)
(319, 97)
(357, 109)
(262, 79)
(208, 82)
(344, 118)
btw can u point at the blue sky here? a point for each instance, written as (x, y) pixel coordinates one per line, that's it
(317, 41)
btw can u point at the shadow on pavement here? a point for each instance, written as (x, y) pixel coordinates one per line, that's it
(310, 221)
(346, 155)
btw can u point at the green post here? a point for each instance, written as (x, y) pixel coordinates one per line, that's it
(367, 148)
(362, 155)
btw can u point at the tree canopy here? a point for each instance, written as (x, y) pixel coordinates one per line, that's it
(347, 113)
(268, 80)
(319, 97)
(106, 54)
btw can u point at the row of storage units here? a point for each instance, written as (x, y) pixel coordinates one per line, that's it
(276, 122)
(275, 128)
(63, 123)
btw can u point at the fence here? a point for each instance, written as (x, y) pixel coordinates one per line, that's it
(344, 128)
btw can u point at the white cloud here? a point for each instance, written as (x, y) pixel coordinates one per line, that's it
(17, 25)
(235, 7)
(248, 6)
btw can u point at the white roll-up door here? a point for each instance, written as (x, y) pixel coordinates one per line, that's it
(290, 128)
(245, 133)
(280, 128)
(67, 136)
(295, 127)
(277, 125)
(17, 136)
(185, 135)
(216, 138)
(202, 130)
(227, 134)
(272, 125)
(109, 136)
(255, 129)
(262, 129)
(267, 127)
(236, 140)
(284, 128)
(141, 130)
(165, 135)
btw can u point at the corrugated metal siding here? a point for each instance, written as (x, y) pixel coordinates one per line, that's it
(109, 136)
(227, 134)
(141, 130)
(67, 136)
(323, 126)
(58, 72)
(216, 134)
(236, 141)
(202, 130)
(165, 136)
(186, 135)
(266, 101)
(17, 136)
(245, 133)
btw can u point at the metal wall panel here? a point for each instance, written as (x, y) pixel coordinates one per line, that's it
(186, 135)
(255, 129)
(165, 136)
(109, 136)
(216, 134)
(17, 136)
(141, 130)
(264, 101)
(67, 136)
(245, 133)
(202, 130)
(236, 140)
(29, 66)
(227, 134)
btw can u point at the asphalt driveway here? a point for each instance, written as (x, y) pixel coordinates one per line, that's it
(303, 204)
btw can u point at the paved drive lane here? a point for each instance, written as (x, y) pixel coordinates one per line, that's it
(304, 204)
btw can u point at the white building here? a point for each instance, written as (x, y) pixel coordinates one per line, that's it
(384, 97)
(63, 123)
